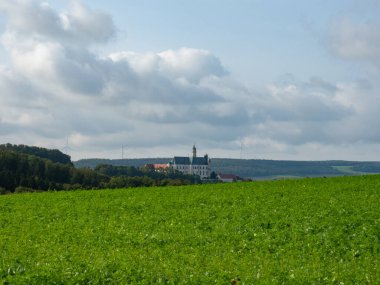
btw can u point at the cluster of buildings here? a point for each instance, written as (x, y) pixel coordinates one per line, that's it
(193, 165)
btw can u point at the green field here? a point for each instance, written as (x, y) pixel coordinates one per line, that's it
(306, 231)
(348, 170)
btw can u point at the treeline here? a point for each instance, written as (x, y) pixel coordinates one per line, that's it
(136, 162)
(21, 172)
(130, 176)
(26, 169)
(51, 154)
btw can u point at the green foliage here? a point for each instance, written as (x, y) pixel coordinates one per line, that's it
(25, 168)
(130, 176)
(213, 175)
(51, 154)
(135, 162)
(111, 170)
(309, 231)
(3, 191)
(29, 171)
(22, 189)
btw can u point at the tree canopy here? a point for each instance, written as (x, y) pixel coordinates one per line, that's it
(24, 168)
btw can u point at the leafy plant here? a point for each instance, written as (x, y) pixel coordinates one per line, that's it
(309, 231)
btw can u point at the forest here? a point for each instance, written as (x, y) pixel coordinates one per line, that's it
(29, 169)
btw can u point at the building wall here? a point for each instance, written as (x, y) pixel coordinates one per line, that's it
(204, 171)
(185, 169)
(201, 166)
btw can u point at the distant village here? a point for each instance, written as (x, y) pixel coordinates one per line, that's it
(194, 165)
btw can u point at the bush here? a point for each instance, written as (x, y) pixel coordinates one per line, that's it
(21, 189)
(3, 191)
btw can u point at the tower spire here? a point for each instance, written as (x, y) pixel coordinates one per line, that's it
(194, 151)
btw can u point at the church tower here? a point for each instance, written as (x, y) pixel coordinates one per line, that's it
(194, 151)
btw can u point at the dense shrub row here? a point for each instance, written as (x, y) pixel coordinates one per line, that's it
(24, 172)
(29, 171)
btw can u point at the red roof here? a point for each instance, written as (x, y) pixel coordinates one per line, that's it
(227, 176)
(162, 166)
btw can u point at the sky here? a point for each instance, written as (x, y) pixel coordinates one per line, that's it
(252, 79)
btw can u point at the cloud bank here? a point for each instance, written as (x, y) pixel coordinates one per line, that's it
(56, 86)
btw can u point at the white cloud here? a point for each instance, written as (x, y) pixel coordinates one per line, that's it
(185, 65)
(37, 19)
(356, 40)
(191, 64)
(56, 87)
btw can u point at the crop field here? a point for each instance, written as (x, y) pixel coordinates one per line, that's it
(307, 231)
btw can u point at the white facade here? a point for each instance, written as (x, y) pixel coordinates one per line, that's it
(204, 171)
(194, 165)
(185, 169)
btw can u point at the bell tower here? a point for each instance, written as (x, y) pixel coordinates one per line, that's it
(194, 151)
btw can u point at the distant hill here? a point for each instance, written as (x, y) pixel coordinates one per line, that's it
(258, 169)
(278, 168)
(136, 162)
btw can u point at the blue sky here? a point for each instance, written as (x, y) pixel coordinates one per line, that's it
(251, 37)
(266, 38)
(284, 79)
(256, 40)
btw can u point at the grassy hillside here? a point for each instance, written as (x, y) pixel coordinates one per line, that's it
(309, 231)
